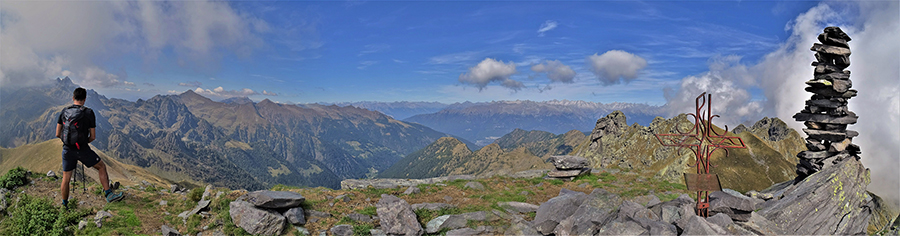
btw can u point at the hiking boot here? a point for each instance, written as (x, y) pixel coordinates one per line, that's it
(115, 197)
(114, 185)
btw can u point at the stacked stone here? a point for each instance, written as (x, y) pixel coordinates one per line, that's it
(568, 167)
(826, 115)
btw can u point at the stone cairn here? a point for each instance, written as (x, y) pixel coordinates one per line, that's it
(568, 167)
(826, 115)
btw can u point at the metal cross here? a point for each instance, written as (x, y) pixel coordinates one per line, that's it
(703, 140)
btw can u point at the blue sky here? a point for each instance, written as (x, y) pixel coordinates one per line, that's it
(315, 51)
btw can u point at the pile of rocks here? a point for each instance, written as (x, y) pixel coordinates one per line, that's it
(826, 115)
(568, 167)
(265, 212)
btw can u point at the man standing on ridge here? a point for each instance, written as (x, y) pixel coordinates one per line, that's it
(76, 127)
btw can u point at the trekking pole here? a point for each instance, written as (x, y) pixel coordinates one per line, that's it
(82, 178)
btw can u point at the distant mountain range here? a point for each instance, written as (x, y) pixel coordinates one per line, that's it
(397, 110)
(236, 143)
(483, 123)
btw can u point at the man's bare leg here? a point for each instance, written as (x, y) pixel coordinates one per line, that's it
(64, 186)
(104, 176)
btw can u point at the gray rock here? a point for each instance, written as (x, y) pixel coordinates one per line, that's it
(695, 225)
(254, 220)
(342, 230)
(295, 216)
(467, 231)
(83, 223)
(145, 183)
(274, 199)
(569, 162)
(735, 205)
(51, 174)
(722, 220)
(474, 185)
(557, 209)
(163, 203)
(528, 174)
(831, 201)
(377, 232)
(344, 197)
(633, 211)
(762, 226)
(411, 190)
(201, 205)
(596, 210)
(301, 230)
(568, 173)
(827, 119)
(169, 231)
(647, 200)
(612, 124)
(622, 228)
(348, 184)
(98, 219)
(448, 198)
(518, 207)
(207, 193)
(431, 206)
(441, 222)
(360, 218)
(397, 216)
(173, 188)
(317, 214)
(521, 229)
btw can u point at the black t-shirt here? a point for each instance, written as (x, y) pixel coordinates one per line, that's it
(88, 118)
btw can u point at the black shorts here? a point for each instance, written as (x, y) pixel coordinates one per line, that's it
(72, 157)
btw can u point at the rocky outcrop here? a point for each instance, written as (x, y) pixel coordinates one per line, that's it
(254, 220)
(612, 124)
(265, 212)
(568, 167)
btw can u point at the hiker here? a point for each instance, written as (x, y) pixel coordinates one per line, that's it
(76, 127)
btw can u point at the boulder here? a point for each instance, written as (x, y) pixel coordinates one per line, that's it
(518, 207)
(762, 226)
(557, 209)
(622, 228)
(342, 230)
(98, 219)
(670, 211)
(397, 216)
(569, 162)
(169, 231)
(412, 190)
(295, 216)
(696, 225)
(474, 185)
(444, 222)
(633, 211)
(568, 173)
(201, 205)
(831, 201)
(51, 174)
(254, 220)
(734, 204)
(431, 206)
(521, 229)
(207, 193)
(274, 199)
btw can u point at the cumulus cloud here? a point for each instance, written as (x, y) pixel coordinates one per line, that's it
(547, 26)
(267, 93)
(730, 100)
(43, 40)
(222, 93)
(556, 71)
(490, 70)
(781, 73)
(615, 66)
(192, 84)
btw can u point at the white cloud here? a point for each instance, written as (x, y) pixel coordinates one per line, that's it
(490, 70)
(614, 66)
(222, 93)
(455, 58)
(732, 103)
(365, 64)
(556, 71)
(267, 93)
(547, 26)
(128, 83)
(192, 84)
(41, 40)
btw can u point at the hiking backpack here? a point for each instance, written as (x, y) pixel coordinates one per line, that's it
(74, 132)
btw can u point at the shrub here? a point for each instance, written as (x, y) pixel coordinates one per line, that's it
(38, 216)
(196, 194)
(14, 178)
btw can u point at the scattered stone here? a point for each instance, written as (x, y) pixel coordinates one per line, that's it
(274, 199)
(201, 205)
(295, 216)
(521, 228)
(448, 198)
(569, 162)
(360, 218)
(695, 225)
(342, 230)
(51, 174)
(301, 230)
(568, 173)
(98, 219)
(474, 185)
(82, 224)
(169, 231)
(596, 210)
(173, 188)
(254, 220)
(163, 202)
(411, 190)
(518, 207)
(206, 193)
(344, 197)
(397, 216)
(647, 200)
(431, 206)
(377, 232)
(583, 185)
(622, 228)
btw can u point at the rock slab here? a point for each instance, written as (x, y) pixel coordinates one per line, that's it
(254, 220)
(397, 216)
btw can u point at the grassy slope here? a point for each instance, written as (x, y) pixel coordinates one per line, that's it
(46, 156)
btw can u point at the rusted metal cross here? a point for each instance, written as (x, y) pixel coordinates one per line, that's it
(703, 140)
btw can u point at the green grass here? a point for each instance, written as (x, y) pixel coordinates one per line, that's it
(369, 210)
(362, 229)
(556, 182)
(39, 216)
(425, 215)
